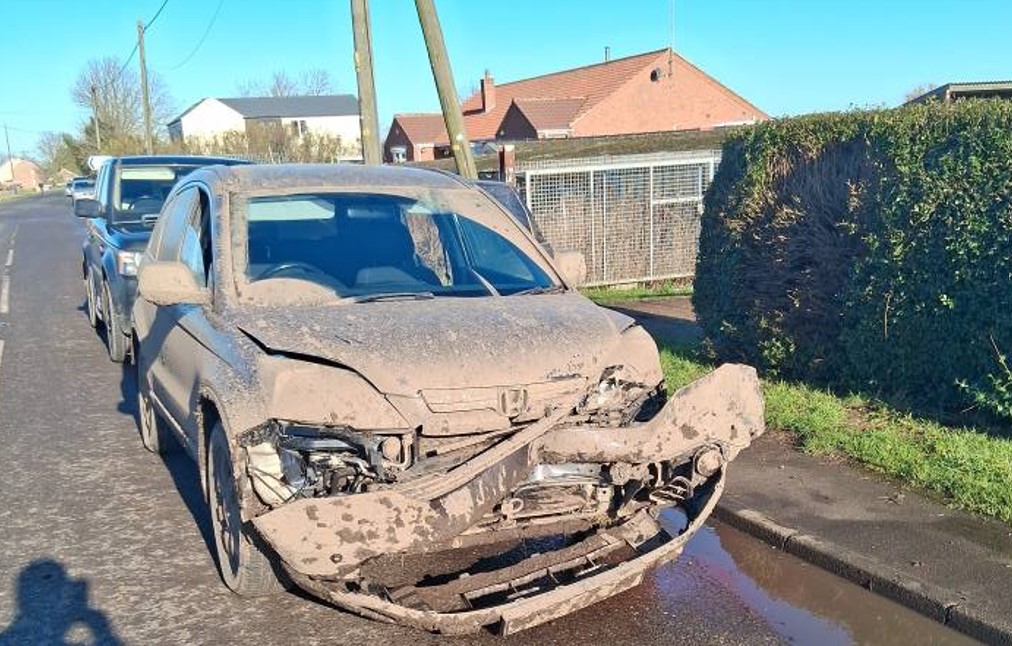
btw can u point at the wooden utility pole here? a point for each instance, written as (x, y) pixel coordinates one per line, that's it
(368, 119)
(144, 88)
(94, 118)
(10, 160)
(443, 75)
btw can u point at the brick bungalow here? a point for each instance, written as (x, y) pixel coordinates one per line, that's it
(652, 92)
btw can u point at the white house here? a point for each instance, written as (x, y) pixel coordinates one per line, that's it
(329, 114)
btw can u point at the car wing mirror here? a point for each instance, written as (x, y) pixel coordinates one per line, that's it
(170, 283)
(85, 207)
(573, 267)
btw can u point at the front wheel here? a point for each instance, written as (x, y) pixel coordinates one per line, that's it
(115, 340)
(91, 303)
(244, 568)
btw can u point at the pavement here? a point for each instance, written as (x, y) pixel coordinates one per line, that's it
(105, 543)
(950, 565)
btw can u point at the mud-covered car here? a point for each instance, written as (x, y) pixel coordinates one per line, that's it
(399, 402)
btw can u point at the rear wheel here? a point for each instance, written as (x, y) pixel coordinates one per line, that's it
(244, 568)
(115, 340)
(91, 303)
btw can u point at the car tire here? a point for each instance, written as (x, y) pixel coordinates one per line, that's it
(90, 303)
(244, 568)
(155, 434)
(115, 340)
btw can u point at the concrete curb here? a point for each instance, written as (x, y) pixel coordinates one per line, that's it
(940, 604)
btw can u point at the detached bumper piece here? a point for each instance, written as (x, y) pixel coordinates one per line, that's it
(541, 588)
(345, 548)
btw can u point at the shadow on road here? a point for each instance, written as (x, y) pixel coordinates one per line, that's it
(53, 609)
(184, 472)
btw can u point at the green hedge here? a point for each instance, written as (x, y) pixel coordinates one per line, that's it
(867, 250)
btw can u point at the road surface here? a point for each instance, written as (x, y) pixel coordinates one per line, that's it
(106, 543)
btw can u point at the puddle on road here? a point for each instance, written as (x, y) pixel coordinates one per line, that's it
(799, 601)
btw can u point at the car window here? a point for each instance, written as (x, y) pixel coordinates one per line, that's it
(102, 194)
(171, 226)
(141, 190)
(195, 250)
(361, 244)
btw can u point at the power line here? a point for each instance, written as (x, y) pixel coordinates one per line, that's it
(147, 25)
(200, 42)
(127, 61)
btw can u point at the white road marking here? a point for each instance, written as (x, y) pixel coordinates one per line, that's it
(5, 296)
(10, 257)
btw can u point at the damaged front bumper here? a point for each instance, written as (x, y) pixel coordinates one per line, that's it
(678, 457)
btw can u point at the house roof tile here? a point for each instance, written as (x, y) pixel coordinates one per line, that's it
(550, 113)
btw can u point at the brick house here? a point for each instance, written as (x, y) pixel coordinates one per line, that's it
(23, 172)
(652, 92)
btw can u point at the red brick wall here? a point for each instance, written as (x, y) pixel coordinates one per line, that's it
(686, 100)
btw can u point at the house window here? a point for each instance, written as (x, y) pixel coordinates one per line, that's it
(398, 154)
(299, 127)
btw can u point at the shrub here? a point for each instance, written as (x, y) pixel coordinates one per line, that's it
(867, 250)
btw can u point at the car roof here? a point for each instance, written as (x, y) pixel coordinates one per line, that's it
(188, 160)
(258, 177)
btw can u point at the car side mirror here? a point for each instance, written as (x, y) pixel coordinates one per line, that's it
(85, 207)
(573, 266)
(170, 283)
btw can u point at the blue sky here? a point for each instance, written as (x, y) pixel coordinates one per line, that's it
(786, 56)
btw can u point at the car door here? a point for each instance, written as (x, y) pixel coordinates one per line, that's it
(96, 232)
(155, 324)
(189, 338)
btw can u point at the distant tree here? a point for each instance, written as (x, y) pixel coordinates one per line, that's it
(917, 91)
(59, 150)
(317, 82)
(313, 82)
(118, 103)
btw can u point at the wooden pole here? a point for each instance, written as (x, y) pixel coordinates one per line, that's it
(368, 119)
(443, 75)
(148, 146)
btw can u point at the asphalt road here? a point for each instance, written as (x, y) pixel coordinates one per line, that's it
(103, 542)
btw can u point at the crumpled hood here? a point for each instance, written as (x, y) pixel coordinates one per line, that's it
(402, 347)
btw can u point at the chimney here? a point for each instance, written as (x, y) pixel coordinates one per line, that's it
(607, 53)
(487, 93)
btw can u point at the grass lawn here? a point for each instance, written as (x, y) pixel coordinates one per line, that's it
(970, 468)
(639, 292)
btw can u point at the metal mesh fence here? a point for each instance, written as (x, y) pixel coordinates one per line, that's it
(634, 218)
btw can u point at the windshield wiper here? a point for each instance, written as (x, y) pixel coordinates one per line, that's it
(392, 296)
(550, 289)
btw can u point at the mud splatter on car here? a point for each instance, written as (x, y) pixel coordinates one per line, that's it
(398, 400)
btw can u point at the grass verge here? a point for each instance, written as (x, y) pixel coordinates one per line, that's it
(970, 468)
(666, 289)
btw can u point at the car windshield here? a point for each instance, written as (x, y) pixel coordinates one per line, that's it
(84, 183)
(143, 189)
(378, 246)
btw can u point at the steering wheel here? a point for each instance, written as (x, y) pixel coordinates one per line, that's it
(295, 265)
(153, 199)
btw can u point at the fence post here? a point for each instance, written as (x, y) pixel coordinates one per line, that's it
(651, 211)
(604, 225)
(507, 165)
(593, 240)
